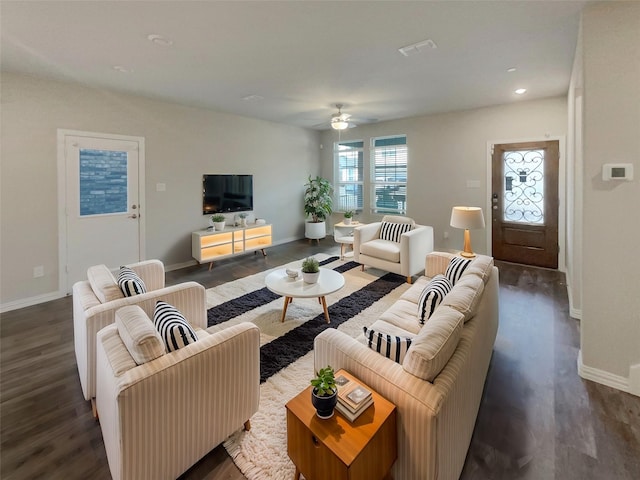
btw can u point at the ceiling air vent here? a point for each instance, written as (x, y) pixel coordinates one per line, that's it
(418, 47)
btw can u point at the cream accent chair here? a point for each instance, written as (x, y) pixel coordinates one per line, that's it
(96, 300)
(405, 258)
(162, 412)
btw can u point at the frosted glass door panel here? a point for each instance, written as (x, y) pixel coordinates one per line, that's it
(103, 182)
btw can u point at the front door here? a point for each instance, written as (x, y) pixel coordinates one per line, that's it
(102, 203)
(525, 203)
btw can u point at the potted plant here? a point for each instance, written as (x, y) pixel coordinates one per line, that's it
(310, 270)
(318, 205)
(243, 219)
(324, 395)
(348, 215)
(218, 221)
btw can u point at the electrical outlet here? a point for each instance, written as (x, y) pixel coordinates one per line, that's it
(446, 235)
(38, 271)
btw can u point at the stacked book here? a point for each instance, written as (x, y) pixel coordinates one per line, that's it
(353, 398)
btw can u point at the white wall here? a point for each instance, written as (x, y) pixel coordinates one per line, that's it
(182, 143)
(448, 149)
(610, 327)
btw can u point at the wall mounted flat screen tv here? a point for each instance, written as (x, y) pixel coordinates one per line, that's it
(227, 193)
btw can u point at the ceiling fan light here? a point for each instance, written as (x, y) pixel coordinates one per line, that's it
(339, 124)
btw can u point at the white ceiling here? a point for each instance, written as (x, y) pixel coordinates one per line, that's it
(301, 58)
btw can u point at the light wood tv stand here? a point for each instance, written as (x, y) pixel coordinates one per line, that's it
(209, 245)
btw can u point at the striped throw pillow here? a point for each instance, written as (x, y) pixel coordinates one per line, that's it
(173, 327)
(456, 268)
(130, 283)
(393, 231)
(390, 346)
(432, 296)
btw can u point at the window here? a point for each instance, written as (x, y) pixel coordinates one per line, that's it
(389, 175)
(349, 158)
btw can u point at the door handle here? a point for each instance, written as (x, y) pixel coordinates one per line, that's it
(133, 216)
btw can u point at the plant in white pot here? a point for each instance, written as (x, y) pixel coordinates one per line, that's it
(218, 221)
(310, 270)
(324, 395)
(348, 216)
(318, 205)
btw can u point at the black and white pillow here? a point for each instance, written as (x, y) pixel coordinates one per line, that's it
(390, 346)
(393, 231)
(130, 283)
(456, 268)
(173, 327)
(432, 296)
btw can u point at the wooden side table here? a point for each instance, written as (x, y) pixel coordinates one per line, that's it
(337, 449)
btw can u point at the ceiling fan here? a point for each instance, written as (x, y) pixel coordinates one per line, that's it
(340, 121)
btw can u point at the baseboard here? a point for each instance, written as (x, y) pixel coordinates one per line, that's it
(287, 240)
(573, 312)
(178, 266)
(634, 379)
(28, 302)
(603, 377)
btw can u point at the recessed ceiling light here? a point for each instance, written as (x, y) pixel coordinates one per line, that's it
(511, 70)
(159, 40)
(122, 69)
(520, 91)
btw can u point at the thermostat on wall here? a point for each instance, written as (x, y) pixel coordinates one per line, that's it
(617, 171)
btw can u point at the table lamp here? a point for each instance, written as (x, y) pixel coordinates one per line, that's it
(468, 218)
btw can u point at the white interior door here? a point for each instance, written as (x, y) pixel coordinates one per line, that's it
(102, 203)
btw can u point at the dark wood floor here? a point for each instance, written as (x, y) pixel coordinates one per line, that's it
(538, 419)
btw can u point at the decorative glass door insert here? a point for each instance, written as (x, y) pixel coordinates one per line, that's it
(523, 186)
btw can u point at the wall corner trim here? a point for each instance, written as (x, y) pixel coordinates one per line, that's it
(603, 377)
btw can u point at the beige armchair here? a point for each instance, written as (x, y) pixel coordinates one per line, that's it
(96, 300)
(374, 245)
(158, 418)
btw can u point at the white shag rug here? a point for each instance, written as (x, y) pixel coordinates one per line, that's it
(261, 453)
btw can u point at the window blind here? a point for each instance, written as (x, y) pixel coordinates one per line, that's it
(349, 183)
(389, 160)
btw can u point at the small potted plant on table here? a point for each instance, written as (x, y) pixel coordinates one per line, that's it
(310, 270)
(218, 221)
(243, 219)
(348, 215)
(324, 395)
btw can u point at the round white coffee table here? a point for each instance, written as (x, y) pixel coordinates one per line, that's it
(329, 281)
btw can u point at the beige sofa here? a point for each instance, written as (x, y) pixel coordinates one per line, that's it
(96, 300)
(161, 412)
(438, 387)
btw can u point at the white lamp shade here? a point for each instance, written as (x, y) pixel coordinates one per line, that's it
(469, 218)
